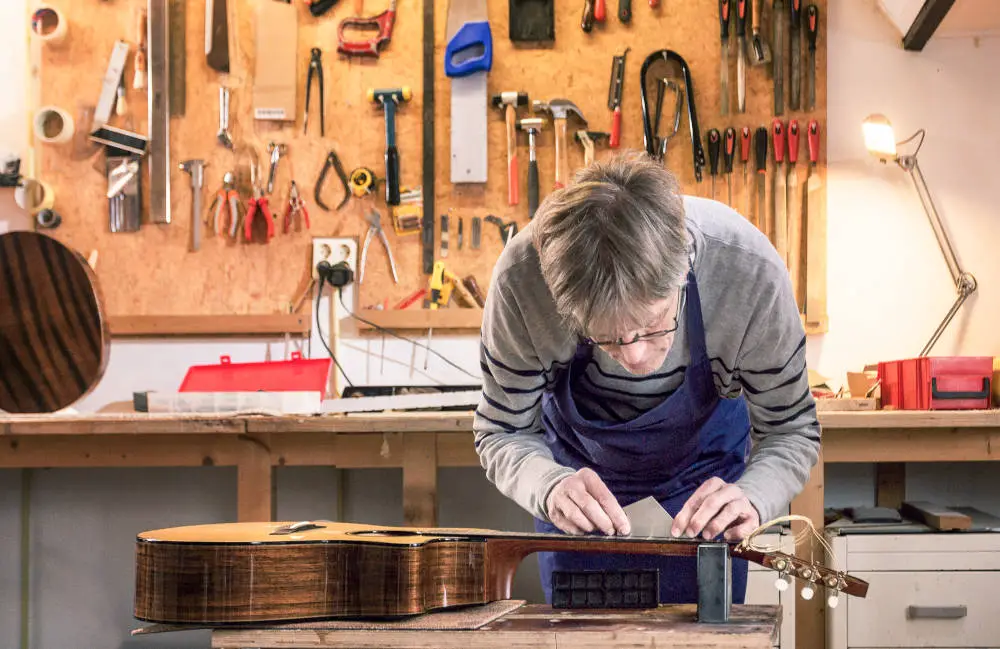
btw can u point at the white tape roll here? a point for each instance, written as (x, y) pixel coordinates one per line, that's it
(53, 125)
(33, 196)
(48, 24)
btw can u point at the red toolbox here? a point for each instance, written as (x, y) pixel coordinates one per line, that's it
(937, 383)
(295, 375)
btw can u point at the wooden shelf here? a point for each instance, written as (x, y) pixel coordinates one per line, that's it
(201, 325)
(452, 318)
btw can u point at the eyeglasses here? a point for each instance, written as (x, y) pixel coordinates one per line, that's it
(652, 335)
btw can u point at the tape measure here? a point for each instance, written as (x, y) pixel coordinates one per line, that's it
(362, 181)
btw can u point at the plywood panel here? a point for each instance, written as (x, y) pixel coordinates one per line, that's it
(152, 273)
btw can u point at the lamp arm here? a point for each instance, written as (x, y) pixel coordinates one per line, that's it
(965, 283)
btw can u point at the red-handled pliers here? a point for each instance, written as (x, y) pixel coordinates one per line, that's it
(257, 202)
(295, 206)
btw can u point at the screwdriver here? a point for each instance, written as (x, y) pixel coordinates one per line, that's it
(727, 156)
(713, 155)
(760, 157)
(745, 159)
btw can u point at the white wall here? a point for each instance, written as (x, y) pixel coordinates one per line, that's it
(888, 289)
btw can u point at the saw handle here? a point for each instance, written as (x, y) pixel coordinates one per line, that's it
(793, 141)
(470, 35)
(778, 139)
(382, 23)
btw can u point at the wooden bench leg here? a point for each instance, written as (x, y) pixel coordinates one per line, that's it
(810, 620)
(254, 484)
(420, 480)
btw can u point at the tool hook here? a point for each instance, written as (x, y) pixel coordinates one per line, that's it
(332, 161)
(315, 67)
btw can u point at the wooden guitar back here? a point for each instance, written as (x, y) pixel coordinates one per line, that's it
(54, 338)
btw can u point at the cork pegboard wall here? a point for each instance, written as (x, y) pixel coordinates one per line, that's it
(153, 273)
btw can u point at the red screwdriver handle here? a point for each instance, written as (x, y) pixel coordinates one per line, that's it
(745, 144)
(793, 141)
(600, 11)
(778, 135)
(616, 127)
(813, 136)
(729, 148)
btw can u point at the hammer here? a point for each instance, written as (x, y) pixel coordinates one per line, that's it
(532, 125)
(560, 110)
(196, 169)
(588, 139)
(388, 99)
(509, 101)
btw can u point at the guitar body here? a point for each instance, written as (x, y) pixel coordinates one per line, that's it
(54, 337)
(270, 572)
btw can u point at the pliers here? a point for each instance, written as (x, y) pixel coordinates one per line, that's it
(375, 227)
(331, 161)
(226, 196)
(258, 203)
(315, 66)
(295, 206)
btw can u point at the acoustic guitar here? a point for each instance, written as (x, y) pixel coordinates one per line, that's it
(54, 337)
(223, 574)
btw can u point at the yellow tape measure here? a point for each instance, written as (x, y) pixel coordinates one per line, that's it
(362, 181)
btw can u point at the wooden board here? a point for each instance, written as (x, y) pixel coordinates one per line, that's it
(540, 626)
(151, 273)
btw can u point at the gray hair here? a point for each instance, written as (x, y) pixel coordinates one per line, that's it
(613, 242)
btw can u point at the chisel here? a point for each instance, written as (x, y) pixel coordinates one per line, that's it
(713, 156)
(795, 35)
(724, 65)
(815, 229)
(812, 27)
(728, 152)
(794, 210)
(761, 51)
(760, 158)
(778, 54)
(745, 159)
(741, 54)
(780, 237)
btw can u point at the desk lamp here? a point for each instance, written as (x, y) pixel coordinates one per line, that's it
(881, 142)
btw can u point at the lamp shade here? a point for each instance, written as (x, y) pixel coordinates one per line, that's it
(879, 137)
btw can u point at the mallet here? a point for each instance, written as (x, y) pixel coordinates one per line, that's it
(388, 99)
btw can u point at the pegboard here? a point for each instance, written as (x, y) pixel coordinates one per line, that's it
(151, 273)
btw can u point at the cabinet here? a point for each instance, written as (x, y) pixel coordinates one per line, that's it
(761, 590)
(931, 590)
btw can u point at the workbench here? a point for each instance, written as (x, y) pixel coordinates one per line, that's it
(749, 627)
(419, 443)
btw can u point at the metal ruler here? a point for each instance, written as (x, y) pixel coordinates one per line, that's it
(159, 117)
(427, 228)
(178, 57)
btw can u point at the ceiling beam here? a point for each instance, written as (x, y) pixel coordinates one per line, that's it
(926, 23)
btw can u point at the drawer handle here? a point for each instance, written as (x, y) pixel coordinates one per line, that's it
(941, 394)
(936, 612)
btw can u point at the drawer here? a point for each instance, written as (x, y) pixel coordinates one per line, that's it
(926, 609)
(912, 552)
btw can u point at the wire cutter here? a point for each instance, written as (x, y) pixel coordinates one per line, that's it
(296, 206)
(257, 203)
(375, 227)
(315, 66)
(227, 196)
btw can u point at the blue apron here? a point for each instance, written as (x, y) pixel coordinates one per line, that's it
(666, 452)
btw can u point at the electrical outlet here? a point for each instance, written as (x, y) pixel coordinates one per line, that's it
(334, 250)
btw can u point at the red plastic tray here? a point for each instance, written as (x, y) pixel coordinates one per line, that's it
(295, 375)
(937, 383)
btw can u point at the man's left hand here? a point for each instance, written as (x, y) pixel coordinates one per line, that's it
(716, 506)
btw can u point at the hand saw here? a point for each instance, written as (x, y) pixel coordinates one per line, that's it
(468, 57)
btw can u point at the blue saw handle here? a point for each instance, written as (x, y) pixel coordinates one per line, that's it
(468, 36)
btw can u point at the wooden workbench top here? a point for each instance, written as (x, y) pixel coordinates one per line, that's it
(405, 422)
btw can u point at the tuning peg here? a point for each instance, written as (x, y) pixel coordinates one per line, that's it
(781, 583)
(807, 591)
(833, 600)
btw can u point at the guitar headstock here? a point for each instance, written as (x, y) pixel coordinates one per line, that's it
(812, 573)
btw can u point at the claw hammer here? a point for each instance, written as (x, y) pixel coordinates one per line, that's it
(508, 102)
(560, 110)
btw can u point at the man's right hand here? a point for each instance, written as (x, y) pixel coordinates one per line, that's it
(582, 503)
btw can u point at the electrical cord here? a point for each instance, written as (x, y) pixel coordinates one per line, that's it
(319, 330)
(340, 293)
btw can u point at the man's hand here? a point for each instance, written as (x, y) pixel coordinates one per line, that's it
(581, 503)
(716, 506)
